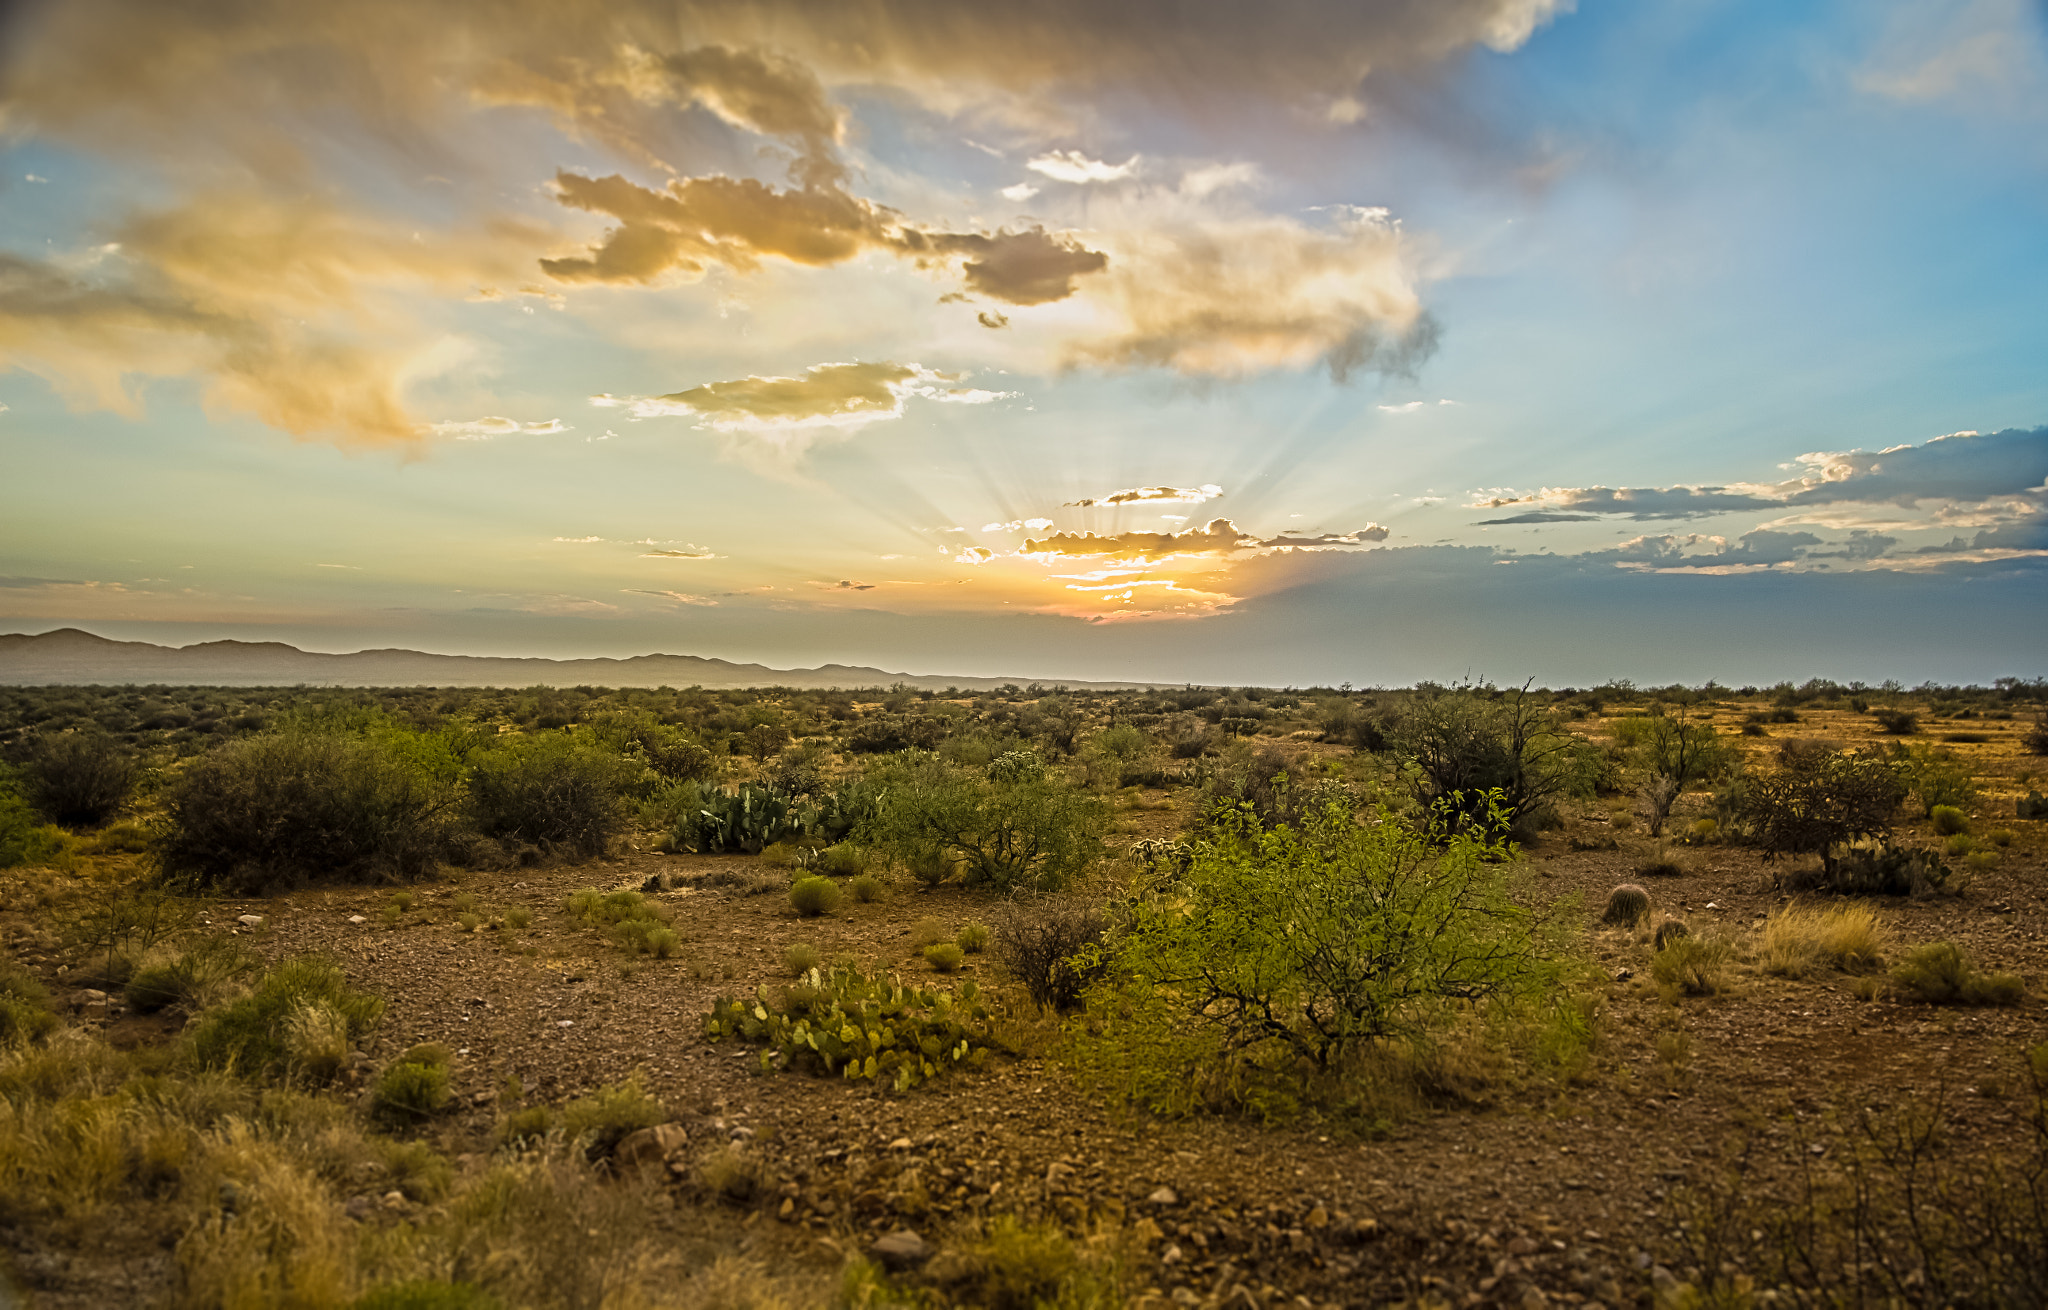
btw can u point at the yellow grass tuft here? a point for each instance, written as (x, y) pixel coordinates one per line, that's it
(1799, 939)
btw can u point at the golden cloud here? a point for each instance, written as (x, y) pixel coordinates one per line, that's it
(286, 307)
(1152, 495)
(827, 395)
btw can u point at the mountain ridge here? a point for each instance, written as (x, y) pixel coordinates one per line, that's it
(75, 657)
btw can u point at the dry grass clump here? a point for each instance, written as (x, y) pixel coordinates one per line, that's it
(1627, 906)
(1798, 939)
(943, 957)
(800, 959)
(867, 889)
(928, 930)
(973, 938)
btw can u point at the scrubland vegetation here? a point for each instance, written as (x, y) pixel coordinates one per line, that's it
(1317, 921)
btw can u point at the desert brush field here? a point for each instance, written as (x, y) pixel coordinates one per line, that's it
(1442, 996)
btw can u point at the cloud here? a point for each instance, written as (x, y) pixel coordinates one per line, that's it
(989, 319)
(1371, 532)
(679, 597)
(1019, 193)
(694, 552)
(579, 541)
(1217, 537)
(1962, 467)
(483, 429)
(1224, 296)
(827, 395)
(1073, 166)
(1018, 525)
(290, 309)
(1971, 52)
(693, 223)
(1540, 516)
(1152, 495)
(846, 585)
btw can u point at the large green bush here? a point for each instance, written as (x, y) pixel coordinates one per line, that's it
(1017, 825)
(1304, 947)
(1816, 801)
(1464, 743)
(281, 808)
(24, 838)
(79, 778)
(551, 791)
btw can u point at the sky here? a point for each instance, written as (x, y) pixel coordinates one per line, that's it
(1299, 343)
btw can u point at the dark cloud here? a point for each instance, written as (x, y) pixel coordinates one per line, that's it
(1371, 532)
(1539, 516)
(1963, 467)
(1217, 537)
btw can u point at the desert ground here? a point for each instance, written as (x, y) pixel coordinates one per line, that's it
(1665, 1160)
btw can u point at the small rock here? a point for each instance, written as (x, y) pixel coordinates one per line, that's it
(359, 1208)
(357, 918)
(1238, 1298)
(1185, 1296)
(742, 1133)
(394, 1200)
(902, 1144)
(249, 920)
(230, 1196)
(88, 998)
(1623, 975)
(1318, 1218)
(1164, 1196)
(1534, 1299)
(1146, 1231)
(787, 1210)
(1522, 1246)
(650, 1145)
(900, 1250)
(1172, 1255)
(1366, 1229)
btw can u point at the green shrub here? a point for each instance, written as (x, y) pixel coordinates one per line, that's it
(1937, 778)
(813, 896)
(427, 1294)
(867, 889)
(927, 930)
(2000, 837)
(413, 1087)
(1981, 861)
(1627, 906)
(1287, 955)
(1672, 752)
(844, 860)
(25, 840)
(1897, 723)
(1020, 825)
(1465, 743)
(525, 1127)
(281, 808)
(944, 957)
(1940, 974)
(251, 1036)
(1052, 947)
(1960, 844)
(1949, 821)
(857, 1027)
(1024, 1267)
(600, 1121)
(551, 791)
(191, 979)
(518, 917)
(781, 855)
(973, 939)
(25, 1011)
(800, 959)
(79, 778)
(1691, 966)
(1817, 800)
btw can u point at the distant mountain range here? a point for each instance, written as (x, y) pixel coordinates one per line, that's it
(69, 656)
